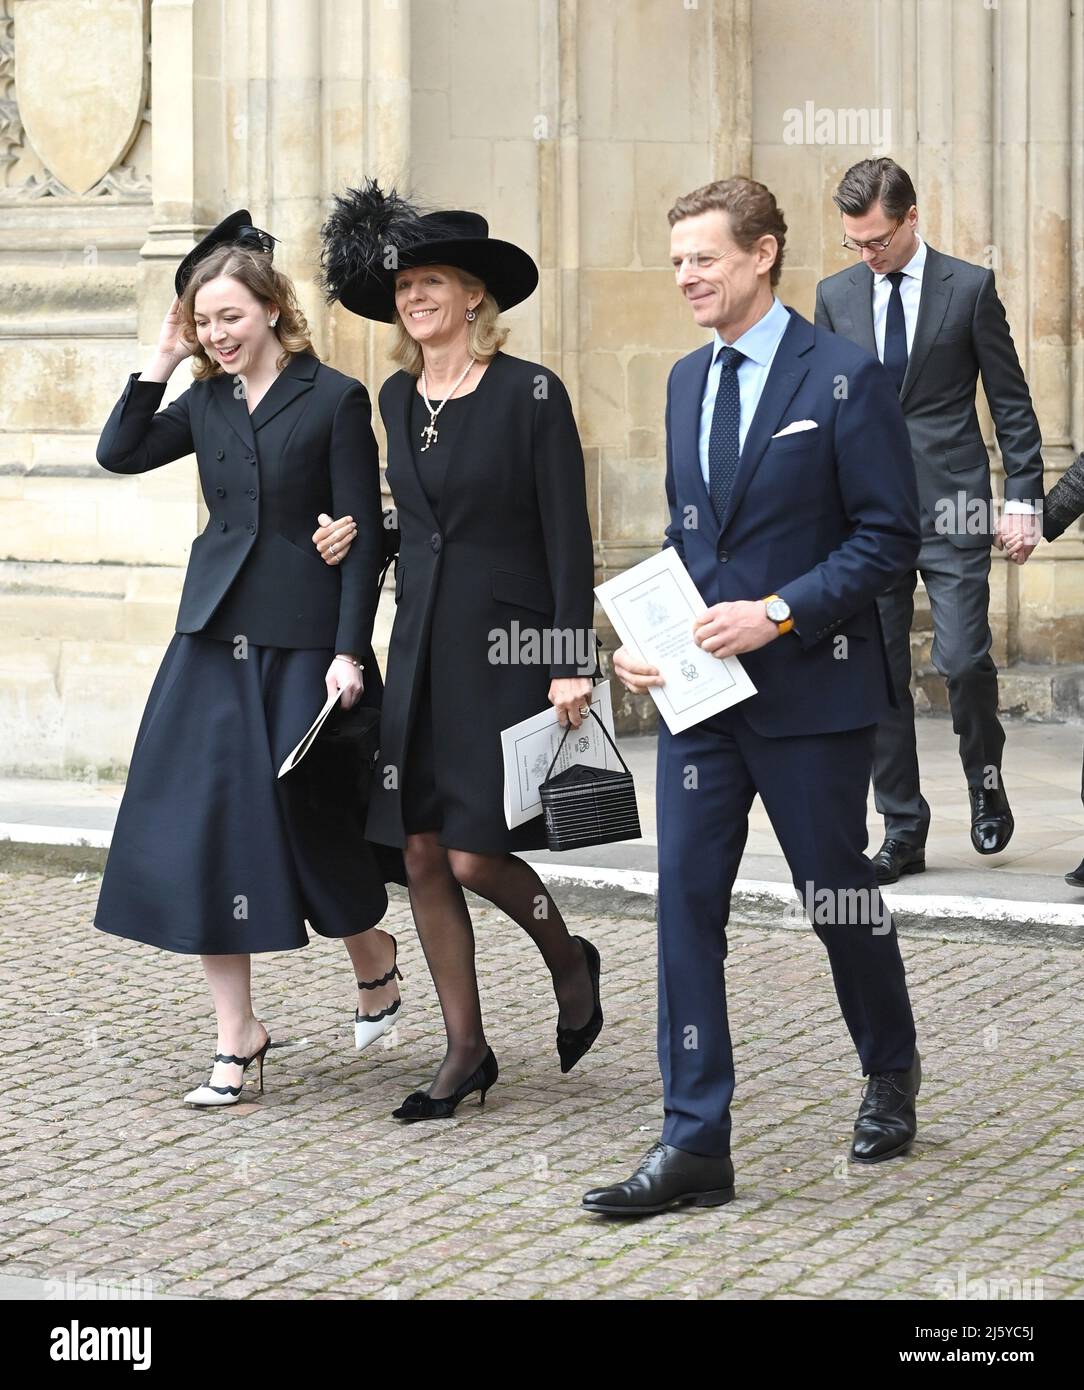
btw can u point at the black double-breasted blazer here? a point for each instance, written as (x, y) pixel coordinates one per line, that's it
(307, 448)
(511, 554)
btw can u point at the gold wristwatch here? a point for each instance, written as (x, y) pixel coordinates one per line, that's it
(779, 611)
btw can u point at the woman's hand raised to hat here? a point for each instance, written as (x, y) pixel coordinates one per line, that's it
(172, 347)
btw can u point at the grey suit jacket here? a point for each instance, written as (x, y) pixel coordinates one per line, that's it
(961, 332)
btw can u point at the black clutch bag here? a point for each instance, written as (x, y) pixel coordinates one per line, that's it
(342, 760)
(589, 805)
(344, 755)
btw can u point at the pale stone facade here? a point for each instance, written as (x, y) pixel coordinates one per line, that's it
(127, 128)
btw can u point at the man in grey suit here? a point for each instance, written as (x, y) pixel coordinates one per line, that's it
(936, 323)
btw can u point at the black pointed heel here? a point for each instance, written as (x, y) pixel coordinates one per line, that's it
(420, 1106)
(573, 1043)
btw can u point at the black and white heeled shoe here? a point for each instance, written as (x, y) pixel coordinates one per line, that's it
(369, 1027)
(208, 1095)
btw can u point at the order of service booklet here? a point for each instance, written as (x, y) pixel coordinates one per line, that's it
(652, 606)
(528, 748)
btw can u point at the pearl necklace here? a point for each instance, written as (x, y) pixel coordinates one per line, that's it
(430, 433)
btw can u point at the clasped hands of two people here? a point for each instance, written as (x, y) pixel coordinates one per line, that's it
(1018, 533)
(333, 539)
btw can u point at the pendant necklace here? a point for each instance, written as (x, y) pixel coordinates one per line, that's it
(429, 434)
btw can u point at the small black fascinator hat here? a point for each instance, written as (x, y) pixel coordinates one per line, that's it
(237, 229)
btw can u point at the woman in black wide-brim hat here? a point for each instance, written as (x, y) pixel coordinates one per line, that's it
(486, 469)
(212, 854)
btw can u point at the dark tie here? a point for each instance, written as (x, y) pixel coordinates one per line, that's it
(723, 439)
(895, 358)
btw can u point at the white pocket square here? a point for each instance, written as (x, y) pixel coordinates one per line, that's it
(795, 426)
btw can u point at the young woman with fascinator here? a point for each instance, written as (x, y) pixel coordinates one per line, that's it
(485, 465)
(212, 853)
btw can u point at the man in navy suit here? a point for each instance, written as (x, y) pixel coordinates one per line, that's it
(793, 504)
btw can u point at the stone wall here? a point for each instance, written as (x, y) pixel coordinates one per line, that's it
(128, 128)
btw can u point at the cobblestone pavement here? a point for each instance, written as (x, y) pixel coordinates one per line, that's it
(313, 1191)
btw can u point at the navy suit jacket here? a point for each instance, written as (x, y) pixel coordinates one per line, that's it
(826, 517)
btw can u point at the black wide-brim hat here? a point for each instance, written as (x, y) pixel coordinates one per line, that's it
(237, 229)
(371, 235)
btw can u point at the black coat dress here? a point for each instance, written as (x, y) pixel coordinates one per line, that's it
(510, 554)
(212, 853)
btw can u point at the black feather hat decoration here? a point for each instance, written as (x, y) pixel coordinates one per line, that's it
(365, 228)
(370, 235)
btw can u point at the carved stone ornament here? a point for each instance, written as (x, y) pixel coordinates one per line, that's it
(80, 77)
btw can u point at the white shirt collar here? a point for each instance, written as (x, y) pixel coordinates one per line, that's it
(759, 342)
(914, 266)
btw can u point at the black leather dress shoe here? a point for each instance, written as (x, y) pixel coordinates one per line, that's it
(1076, 876)
(896, 857)
(992, 824)
(666, 1178)
(886, 1123)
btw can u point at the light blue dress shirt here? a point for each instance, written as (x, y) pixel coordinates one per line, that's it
(759, 345)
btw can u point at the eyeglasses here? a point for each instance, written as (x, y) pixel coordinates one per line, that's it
(852, 245)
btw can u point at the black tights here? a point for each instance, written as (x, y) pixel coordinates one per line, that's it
(436, 878)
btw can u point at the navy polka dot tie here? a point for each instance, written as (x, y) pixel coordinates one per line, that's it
(723, 439)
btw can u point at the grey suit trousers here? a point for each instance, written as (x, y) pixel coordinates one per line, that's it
(957, 581)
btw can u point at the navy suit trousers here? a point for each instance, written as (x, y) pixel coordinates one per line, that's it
(814, 790)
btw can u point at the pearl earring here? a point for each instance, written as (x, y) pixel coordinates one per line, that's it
(471, 315)
(273, 322)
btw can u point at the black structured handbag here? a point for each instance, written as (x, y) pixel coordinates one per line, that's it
(333, 780)
(589, 805)
(346, 753)
(343, 756)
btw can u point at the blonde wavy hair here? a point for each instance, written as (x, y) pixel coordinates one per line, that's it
(486, 335)
(256, 272)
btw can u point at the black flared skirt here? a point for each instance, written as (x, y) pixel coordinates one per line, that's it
(212, 853)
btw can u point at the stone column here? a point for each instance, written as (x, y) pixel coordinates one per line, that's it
(991, 161)
(296, 144)
(176, 221)
(80, 581)
(1036, 71)
(367, 118)
(635, 154)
